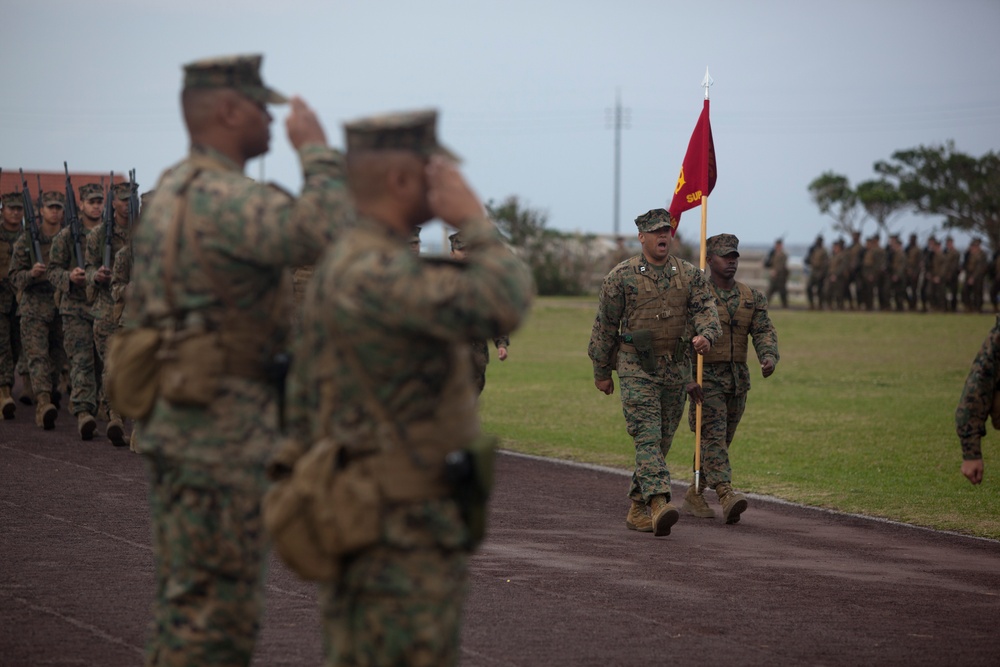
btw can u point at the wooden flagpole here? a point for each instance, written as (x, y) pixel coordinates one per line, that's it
(706, 84)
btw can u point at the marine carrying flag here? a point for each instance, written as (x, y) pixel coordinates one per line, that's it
(698, 172)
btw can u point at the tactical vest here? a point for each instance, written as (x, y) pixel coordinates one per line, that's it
(735, 328)
(664, 313)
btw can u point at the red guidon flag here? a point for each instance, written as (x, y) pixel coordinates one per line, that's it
(698, 172)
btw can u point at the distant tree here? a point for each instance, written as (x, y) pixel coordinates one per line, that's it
(562, 264)
(882, 201)
(938, 180)
(835, 197)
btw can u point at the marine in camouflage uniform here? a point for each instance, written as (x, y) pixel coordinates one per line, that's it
(209, 260)
(10, 333)
(818, 261)
(870, 275)
(838, 277)
(950, 273)
(66, 273)
(977, 402)
(657, 293)
(407, 320)
(777, 263)
(914, 269)
(726, 376)
(480, 347)
(896, 272)
(975, 268)
(99, 281)
(41, 328)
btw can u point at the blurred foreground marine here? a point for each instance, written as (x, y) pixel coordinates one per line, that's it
(207, 291)
(383, 368)
(978, 402)
(654, 309)
(726, 376)
(480, 347)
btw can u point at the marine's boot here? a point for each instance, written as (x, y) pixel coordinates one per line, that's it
(116, 429)
(27, 394)
(638, 518)
(7, 404)
(664, 515)
(45, 412)
(695, 504)
(733, 503)
(85, 425)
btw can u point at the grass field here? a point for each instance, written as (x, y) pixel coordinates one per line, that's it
(859, 415)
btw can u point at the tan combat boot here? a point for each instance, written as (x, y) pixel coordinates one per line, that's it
(45, 412)
(733, 503)
(86, 425)
(7, 404)
(638, 518)
(27, 394)
(116, 429)
(664, 515)
(695, 504)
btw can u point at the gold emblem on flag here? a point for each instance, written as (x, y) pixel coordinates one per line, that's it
(680, 181)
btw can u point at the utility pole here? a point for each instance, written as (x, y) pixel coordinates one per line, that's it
(619, 117)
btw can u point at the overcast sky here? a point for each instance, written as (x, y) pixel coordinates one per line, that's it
(526, 88)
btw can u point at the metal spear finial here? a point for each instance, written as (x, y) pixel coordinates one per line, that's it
(707, 82)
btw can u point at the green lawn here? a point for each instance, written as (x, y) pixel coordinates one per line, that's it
(859, 415)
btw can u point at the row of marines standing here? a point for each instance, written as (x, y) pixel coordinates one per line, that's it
(868, 276)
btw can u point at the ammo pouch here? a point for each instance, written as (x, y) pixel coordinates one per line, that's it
(469, 472)
(131, 379)
(642, 341)
(191, 363)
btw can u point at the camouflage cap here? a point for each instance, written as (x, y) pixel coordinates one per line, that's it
(654, 219)
(123, 191)
(721, 245)
(90, 191)
(414, 131)
(53, 198)
(456, 241)
(12, 199)
(241, 73)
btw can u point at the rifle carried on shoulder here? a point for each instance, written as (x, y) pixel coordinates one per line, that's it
(73, 218)
(109, 222)
(32, 221)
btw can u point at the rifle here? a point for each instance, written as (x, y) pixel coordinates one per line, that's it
(109, 222)
(73, 218)
(133, 210)
(32, 221)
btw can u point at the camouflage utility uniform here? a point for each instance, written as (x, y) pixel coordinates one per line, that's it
(10, 334)
(652, 402)
(976, 403)
(235, 240)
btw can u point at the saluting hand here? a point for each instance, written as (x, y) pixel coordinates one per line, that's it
(303, 126)
(449, 195)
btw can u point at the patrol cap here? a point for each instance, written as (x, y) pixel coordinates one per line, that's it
(90, 191)
(122, 191)
(721, 245)
(12, 199)
(456, 241)
(654, 219)
(414, 131)
(53, 198)
(240, 72)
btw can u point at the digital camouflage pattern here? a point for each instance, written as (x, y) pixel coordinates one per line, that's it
(481, 358)
(241, 72)
(41, 329)
(408, 321)
(248, 235)
(103, 304)
(10, 334)
(976, 401)
(121, 275)
(408, 131)
(725, 386)
(652, 403)
(77, 322)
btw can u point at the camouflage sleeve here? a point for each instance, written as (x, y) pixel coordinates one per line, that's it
(93, 257)
(483, 298)
(765, 338)
(280, 230)
(120, 274)
(604, 334)
(702, 310)
(501, 341)
(60, 257)
(20, 265)
(977, 396)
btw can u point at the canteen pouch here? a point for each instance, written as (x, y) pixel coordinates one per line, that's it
(470, 473)
(191, 365)
(642, 339)
(131, 380)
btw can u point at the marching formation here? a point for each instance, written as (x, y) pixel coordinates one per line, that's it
(64, 260)
(868, 276)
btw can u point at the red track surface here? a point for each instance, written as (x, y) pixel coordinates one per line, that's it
(559, 580)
